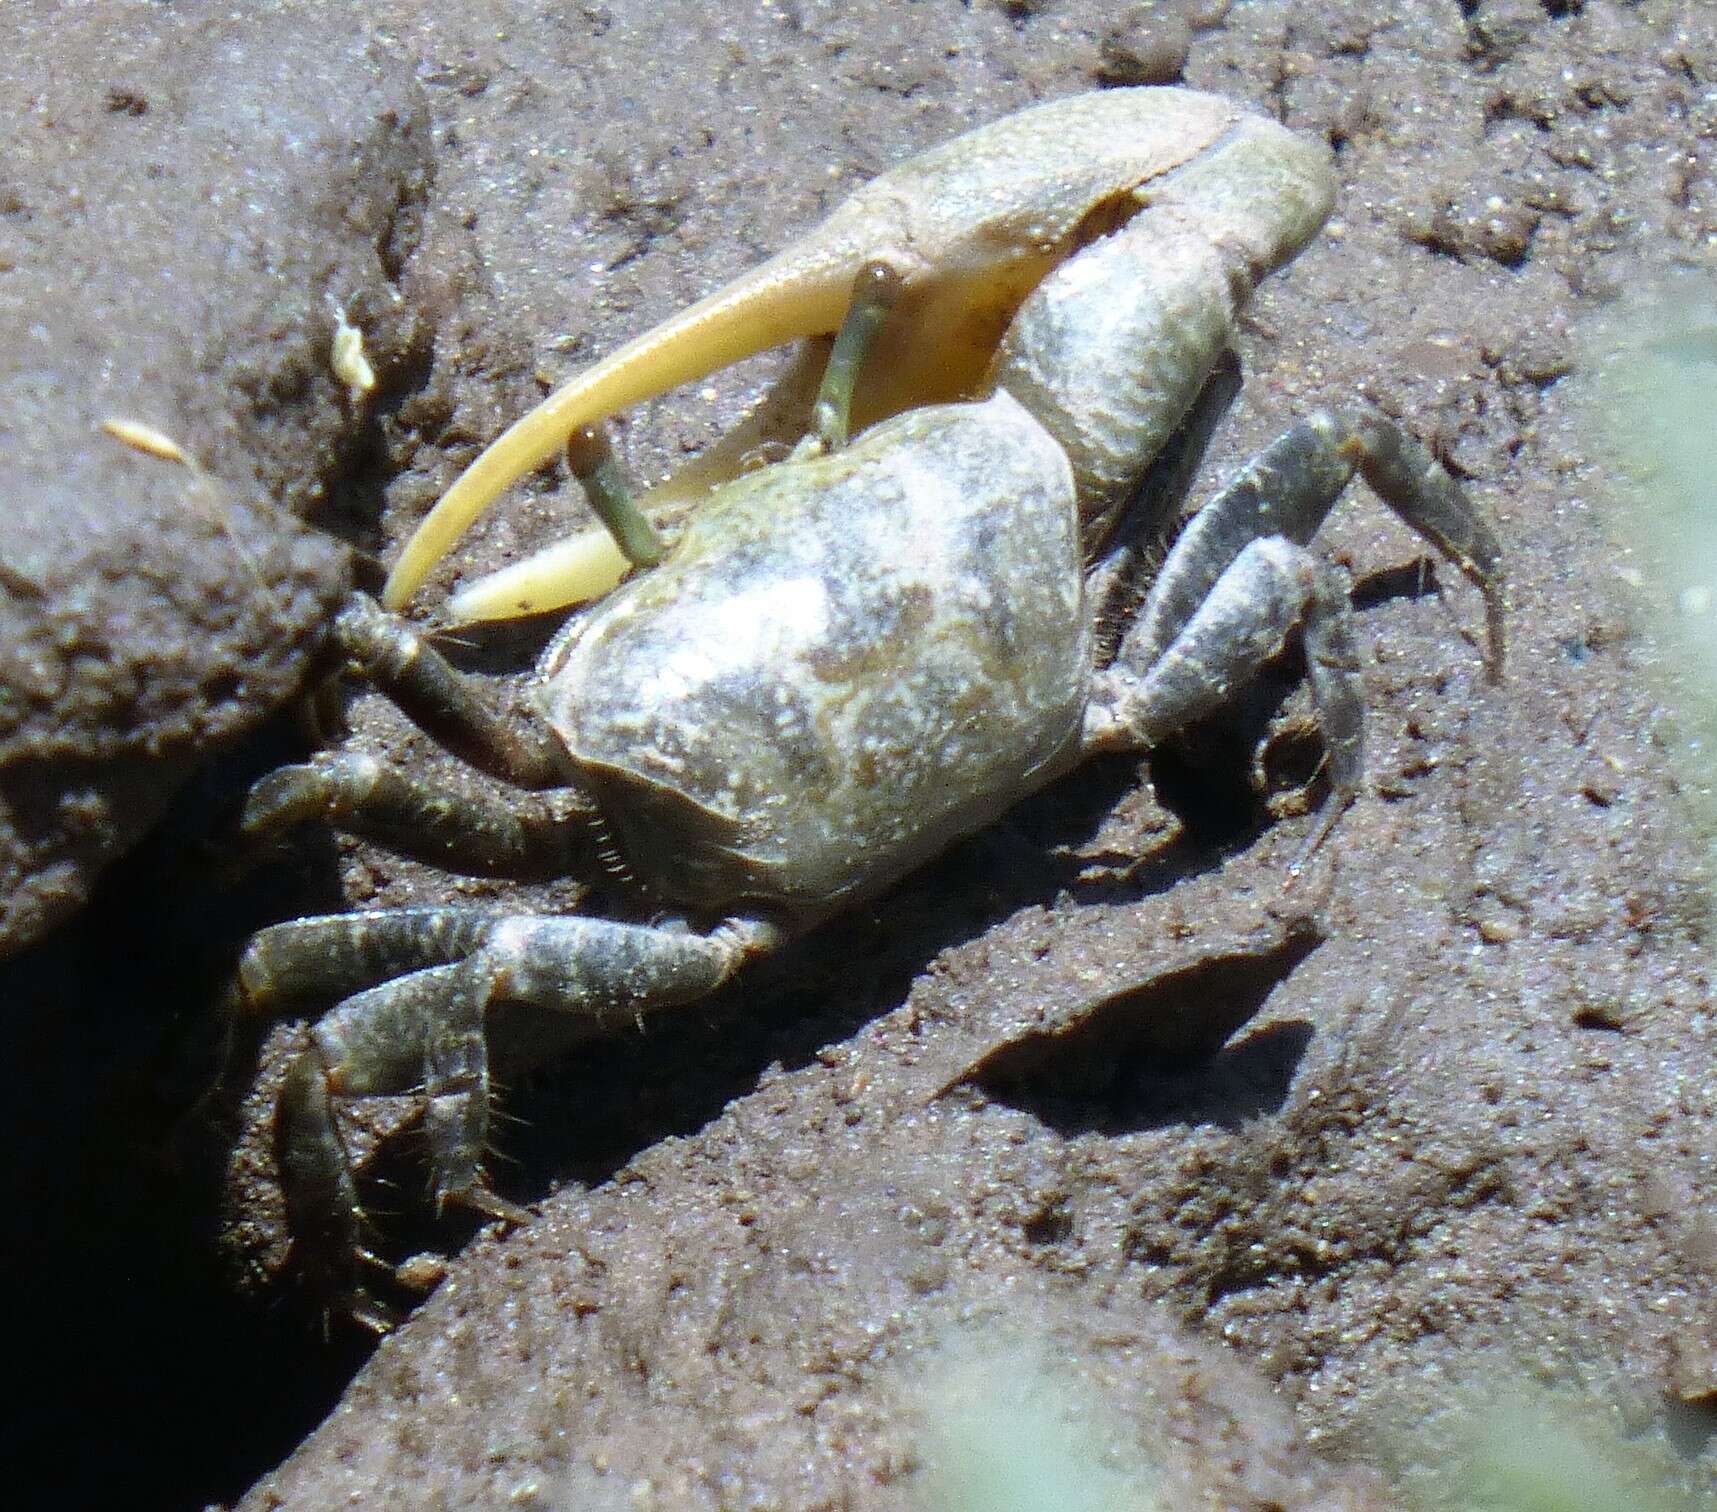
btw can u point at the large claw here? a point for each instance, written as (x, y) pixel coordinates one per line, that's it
(970, 227)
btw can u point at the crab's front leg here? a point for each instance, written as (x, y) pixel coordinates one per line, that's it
(466, 830)
(426, 1032)
(400, 663)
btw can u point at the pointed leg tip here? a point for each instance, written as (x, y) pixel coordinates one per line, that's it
(1495, 642)
(372, 1316)
(488, 1204)
(1336, 809)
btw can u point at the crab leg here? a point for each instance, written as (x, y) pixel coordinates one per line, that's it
(1126, 550)
(1270, 587)
(970, 227)
(473, 833)
(323, 1211)
(331, 955)
(1241, 576)
(441, 702)
(1289, 490)
(373, 1042)
(1423, 494)
(427, 1032)
(593, 974)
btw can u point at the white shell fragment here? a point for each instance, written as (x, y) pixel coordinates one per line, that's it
(350, 362)
(146, 438)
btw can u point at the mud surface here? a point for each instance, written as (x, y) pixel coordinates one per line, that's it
(1460, 1144)
(181, 219)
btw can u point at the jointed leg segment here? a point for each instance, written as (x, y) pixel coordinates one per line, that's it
(333, 955)
(392, 656)
(426, 1032)
(1241, 576)
(464, 831)
(1272, 586)
(461, 829)
(1288, 490)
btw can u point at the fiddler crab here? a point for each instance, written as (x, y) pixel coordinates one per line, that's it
(855, 656)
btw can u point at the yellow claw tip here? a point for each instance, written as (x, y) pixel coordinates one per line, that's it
(399, 587)
(760, 310)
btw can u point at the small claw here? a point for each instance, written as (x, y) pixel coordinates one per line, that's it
(971, 227)
(583, 566)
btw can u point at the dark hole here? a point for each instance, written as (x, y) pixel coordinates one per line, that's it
(1052, 1226)
(1205, 775)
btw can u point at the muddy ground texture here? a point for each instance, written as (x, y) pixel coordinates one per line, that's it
(971, 1154)
(183, 222)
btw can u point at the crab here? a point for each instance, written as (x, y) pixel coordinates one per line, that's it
(856, 656)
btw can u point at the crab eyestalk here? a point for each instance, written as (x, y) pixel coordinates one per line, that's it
(971, 227)
(583, 566)
(876, 291)
(613, 498)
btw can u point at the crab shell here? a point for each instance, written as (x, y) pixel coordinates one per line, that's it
(971, 228)
(845, 664)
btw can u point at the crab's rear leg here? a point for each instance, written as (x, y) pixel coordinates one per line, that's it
(593, 975)
(1288, 490)
(1241, 577)
(322, 958)
(427, 1032)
